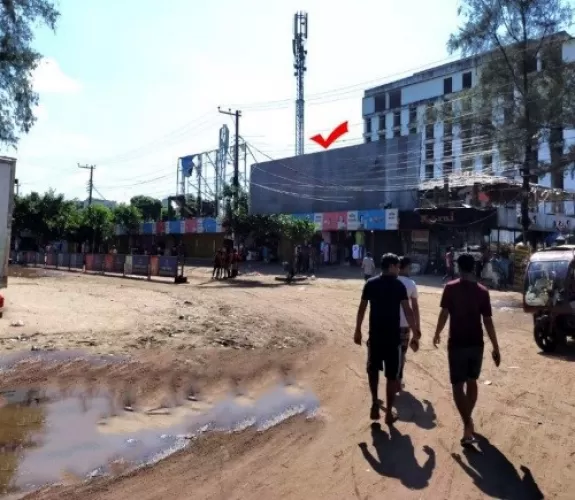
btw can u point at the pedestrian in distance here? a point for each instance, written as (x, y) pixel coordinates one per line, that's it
(218, 261)
(385, 294)
(411, 287)
(368, 266)
(466, 303)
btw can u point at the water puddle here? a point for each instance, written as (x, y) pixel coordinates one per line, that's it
(7, 362)
(47, 439)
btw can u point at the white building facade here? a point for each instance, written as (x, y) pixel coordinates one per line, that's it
(414, 105)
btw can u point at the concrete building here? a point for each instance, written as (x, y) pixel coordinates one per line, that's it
(412, 106)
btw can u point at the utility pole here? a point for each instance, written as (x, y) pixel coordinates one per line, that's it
(300, 26)
(90, 182)
(236, 179)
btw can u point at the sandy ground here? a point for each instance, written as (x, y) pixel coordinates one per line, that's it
(205, 337)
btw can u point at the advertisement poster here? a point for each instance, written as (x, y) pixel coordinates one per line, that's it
(334, 221)
(128, 265)
(199, 225)
(168, 267)
(372, 219)
(353, 221)
(191, 226)
(149, 228)
(391, 219)
(318, 221)
(98, 263)
(76, 261)
(209, 225)
(175, 227)
(50, 260)
(109, 263)
(140, 265)
(89, 262)
(118, 263)
(154, 265)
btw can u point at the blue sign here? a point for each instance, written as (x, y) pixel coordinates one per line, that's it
(118, 263)
(210, 225)
(140, 265)
(148, 228)
(97, 262)
(174, 227)
(168, 267)
(305, 216)
(371, 219)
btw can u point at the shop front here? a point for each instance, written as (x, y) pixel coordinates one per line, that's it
(428, 233)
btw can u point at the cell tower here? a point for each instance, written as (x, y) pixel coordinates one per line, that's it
(300, 26)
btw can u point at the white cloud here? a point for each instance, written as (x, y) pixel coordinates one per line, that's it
(41, 113)
(50, 78)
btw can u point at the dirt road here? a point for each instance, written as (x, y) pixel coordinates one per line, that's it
(206, 337)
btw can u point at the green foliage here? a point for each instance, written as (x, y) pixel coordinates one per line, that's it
(150, 208)
(298, 231)
(128, 216)
(18, 60)
(97, 224)
(514, 106)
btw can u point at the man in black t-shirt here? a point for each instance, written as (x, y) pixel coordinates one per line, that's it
(385, 294)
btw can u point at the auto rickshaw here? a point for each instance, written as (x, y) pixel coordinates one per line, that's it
(549, 296)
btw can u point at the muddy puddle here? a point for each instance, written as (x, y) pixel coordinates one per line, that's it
(47, 437)
(507, 304)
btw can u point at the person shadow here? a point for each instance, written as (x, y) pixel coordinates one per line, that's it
(395, 458)
(495, 475)
(410, 409)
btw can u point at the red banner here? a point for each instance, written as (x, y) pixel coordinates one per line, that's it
(191, 226)
(160, 227)
(334, 221)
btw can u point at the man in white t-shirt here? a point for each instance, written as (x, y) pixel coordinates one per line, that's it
(411, 287)
(368, 266)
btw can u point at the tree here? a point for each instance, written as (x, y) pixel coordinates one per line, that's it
(97, 225)
(514, 106)
(128, 216)
(150, 208)
(298, 231)
(18, 60)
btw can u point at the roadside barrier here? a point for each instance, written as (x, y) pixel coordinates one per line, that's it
(148, 266)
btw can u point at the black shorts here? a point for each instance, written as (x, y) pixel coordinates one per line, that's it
(464, 363)
(387, 358)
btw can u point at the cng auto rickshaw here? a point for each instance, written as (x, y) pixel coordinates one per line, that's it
(549, 296)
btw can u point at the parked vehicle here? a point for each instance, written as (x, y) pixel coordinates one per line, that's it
(549, 296)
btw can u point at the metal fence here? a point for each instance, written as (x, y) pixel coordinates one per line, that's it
(148, 266)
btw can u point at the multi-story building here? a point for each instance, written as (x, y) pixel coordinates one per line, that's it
(416, 105)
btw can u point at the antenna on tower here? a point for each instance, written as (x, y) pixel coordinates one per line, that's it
(300, 26)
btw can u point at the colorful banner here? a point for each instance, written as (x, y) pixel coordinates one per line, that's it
(174, 227)
(118, 265)
(167, 267)
(372, 219)
(318, 221)
(140, 265)
(334, 221)
(98, 263)
(63, 260)
(190, 226)
(89, 262)
(353, 221)
(149, 228)
(160, 227)
(391, 219)
(51, 259)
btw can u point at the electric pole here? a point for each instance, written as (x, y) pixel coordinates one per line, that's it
(236, 179)
(90, 182)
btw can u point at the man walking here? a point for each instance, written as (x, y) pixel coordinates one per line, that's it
(385, 294)
(411, 287)
(449, 264)
(466, 302)
(368, 266)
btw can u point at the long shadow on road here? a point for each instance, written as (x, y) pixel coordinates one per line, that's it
(249, 283)
(495, 475)
(395, 458)
(411, 409)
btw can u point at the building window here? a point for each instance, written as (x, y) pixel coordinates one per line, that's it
(465, 129)
(429, 131)
(447, 85)
(429, 152)
(447, 149)
(466, 80)
(379, 103)
(429, 171)
(447, 128)
(396, 132)
(412, 114)
(397, 118)
(395, 99)
(466, 165)
(488, 164)
(381, 122)
(368, 126)
(447, 168)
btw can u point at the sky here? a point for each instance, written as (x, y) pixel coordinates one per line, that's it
(132, 85)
